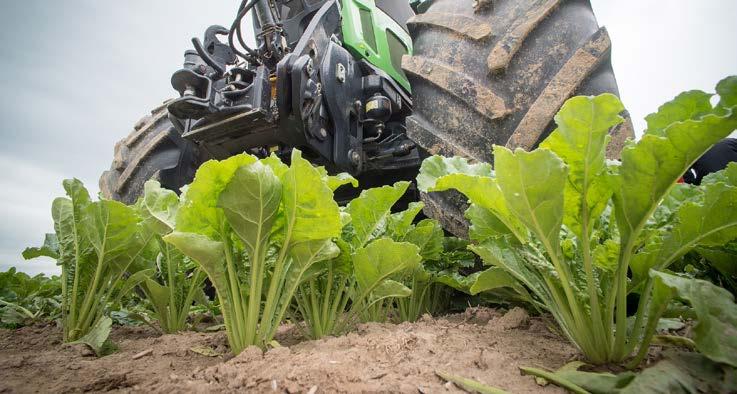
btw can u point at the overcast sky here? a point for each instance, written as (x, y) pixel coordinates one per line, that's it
(77, 74)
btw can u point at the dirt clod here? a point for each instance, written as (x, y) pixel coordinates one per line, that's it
(515, 318)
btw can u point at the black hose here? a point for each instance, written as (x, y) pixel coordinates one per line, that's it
(242, 11)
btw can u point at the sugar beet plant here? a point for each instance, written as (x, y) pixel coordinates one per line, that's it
(257, 228)
(175, 281)
(361, 282)
(571, 226)
(98, 246)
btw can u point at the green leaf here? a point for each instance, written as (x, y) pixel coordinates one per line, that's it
(489, 214)
(687, 105)
(110, 227)
(160, 207)
(522, 262)
(724, 261)
(581, 140)
(651, 167)
(208, 254)
(494, 278)
(715, 332)
(709, 221)
(606, 255)
(50, 249)
(159, 297)
(381, 260)
(679, 373)
(436, 167)
(132, 281)
(398, 224)
(727, 90)
(484, 224)
(428, 236)
(457, 281)
(250, 203)
(390, 289)
(336, 181)
(97, 336)
(310, 210)
(532, 184)
(727, 176)
(277, 166)
(371, 210)
(307, 253)
(199, 212)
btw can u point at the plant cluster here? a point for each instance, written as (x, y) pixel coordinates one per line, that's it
(26, 300)
(582, 233)
(389, 267)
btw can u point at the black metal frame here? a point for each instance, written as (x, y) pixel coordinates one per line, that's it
(342, 112)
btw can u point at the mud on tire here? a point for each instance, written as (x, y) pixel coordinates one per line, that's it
(153, 150)
(490, 72)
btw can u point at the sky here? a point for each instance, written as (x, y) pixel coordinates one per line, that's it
(78, 74)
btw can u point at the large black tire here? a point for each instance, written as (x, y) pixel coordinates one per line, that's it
(496, 72)
(153, 150)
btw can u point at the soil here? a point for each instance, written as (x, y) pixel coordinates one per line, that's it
(481, 344)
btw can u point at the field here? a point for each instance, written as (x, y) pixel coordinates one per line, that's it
(480, 343)
(576, 273)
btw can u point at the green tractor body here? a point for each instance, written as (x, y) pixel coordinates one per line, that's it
(372, 34)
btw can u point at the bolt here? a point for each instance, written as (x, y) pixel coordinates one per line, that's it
(355, 157)
(340, 72)
(323, 133)
(310, 68)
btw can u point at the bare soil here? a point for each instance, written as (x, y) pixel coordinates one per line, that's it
(481, 344)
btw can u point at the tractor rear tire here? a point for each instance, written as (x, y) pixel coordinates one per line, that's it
(490, 72)
(153, 150)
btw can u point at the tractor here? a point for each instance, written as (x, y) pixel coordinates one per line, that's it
(371, 87)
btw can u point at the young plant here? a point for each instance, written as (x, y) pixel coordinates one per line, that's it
(257, 228)
(98, 244)
(362, 282)
(25, 299)
(571, 226)
(427, 293)
(176, 280)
